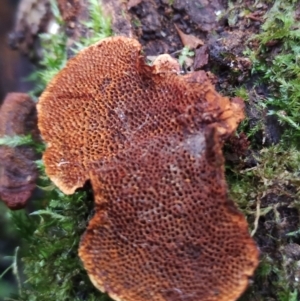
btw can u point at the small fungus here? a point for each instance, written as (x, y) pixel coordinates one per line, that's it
(18, 171)
(150, 141)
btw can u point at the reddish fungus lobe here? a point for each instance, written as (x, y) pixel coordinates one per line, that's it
(150, 142)
(18, 171)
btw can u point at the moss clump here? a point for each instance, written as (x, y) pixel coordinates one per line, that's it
(49, 251)
(277, 61)
(266, 183)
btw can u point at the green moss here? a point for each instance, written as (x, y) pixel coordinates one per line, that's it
(136, 22)
(184, 54)
(99, 26)
(264, 193)
(242, 93)
(49, 252)
(268, 190)
(171, 2)
(280, 69)
(54, 45)
(16, 140)
(275, 168)
(54, 56)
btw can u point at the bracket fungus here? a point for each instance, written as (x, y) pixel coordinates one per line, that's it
(150, 141)
(18, 171)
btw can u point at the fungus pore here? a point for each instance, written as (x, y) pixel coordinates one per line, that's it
(150, 142)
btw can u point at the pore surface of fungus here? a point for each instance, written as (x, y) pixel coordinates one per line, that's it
(18, 171)
(149, 140)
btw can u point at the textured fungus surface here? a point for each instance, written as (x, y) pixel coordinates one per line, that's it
(18, 171)
(149, 140)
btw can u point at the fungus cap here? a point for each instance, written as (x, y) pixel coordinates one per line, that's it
(149, 140)
(18, 171)
(166, 230)
(107, 95)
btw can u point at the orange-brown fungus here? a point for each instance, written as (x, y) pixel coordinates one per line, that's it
(18, 171)
(149, 140)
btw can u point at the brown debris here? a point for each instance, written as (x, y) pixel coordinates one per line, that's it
(189, 40)
(165, 63)
(201, 57)
(237, 146)
(75, 14)
(117, 11)
(18, 171)
(32, 18)
(133, 3)
(149, 140)
(201, 12)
